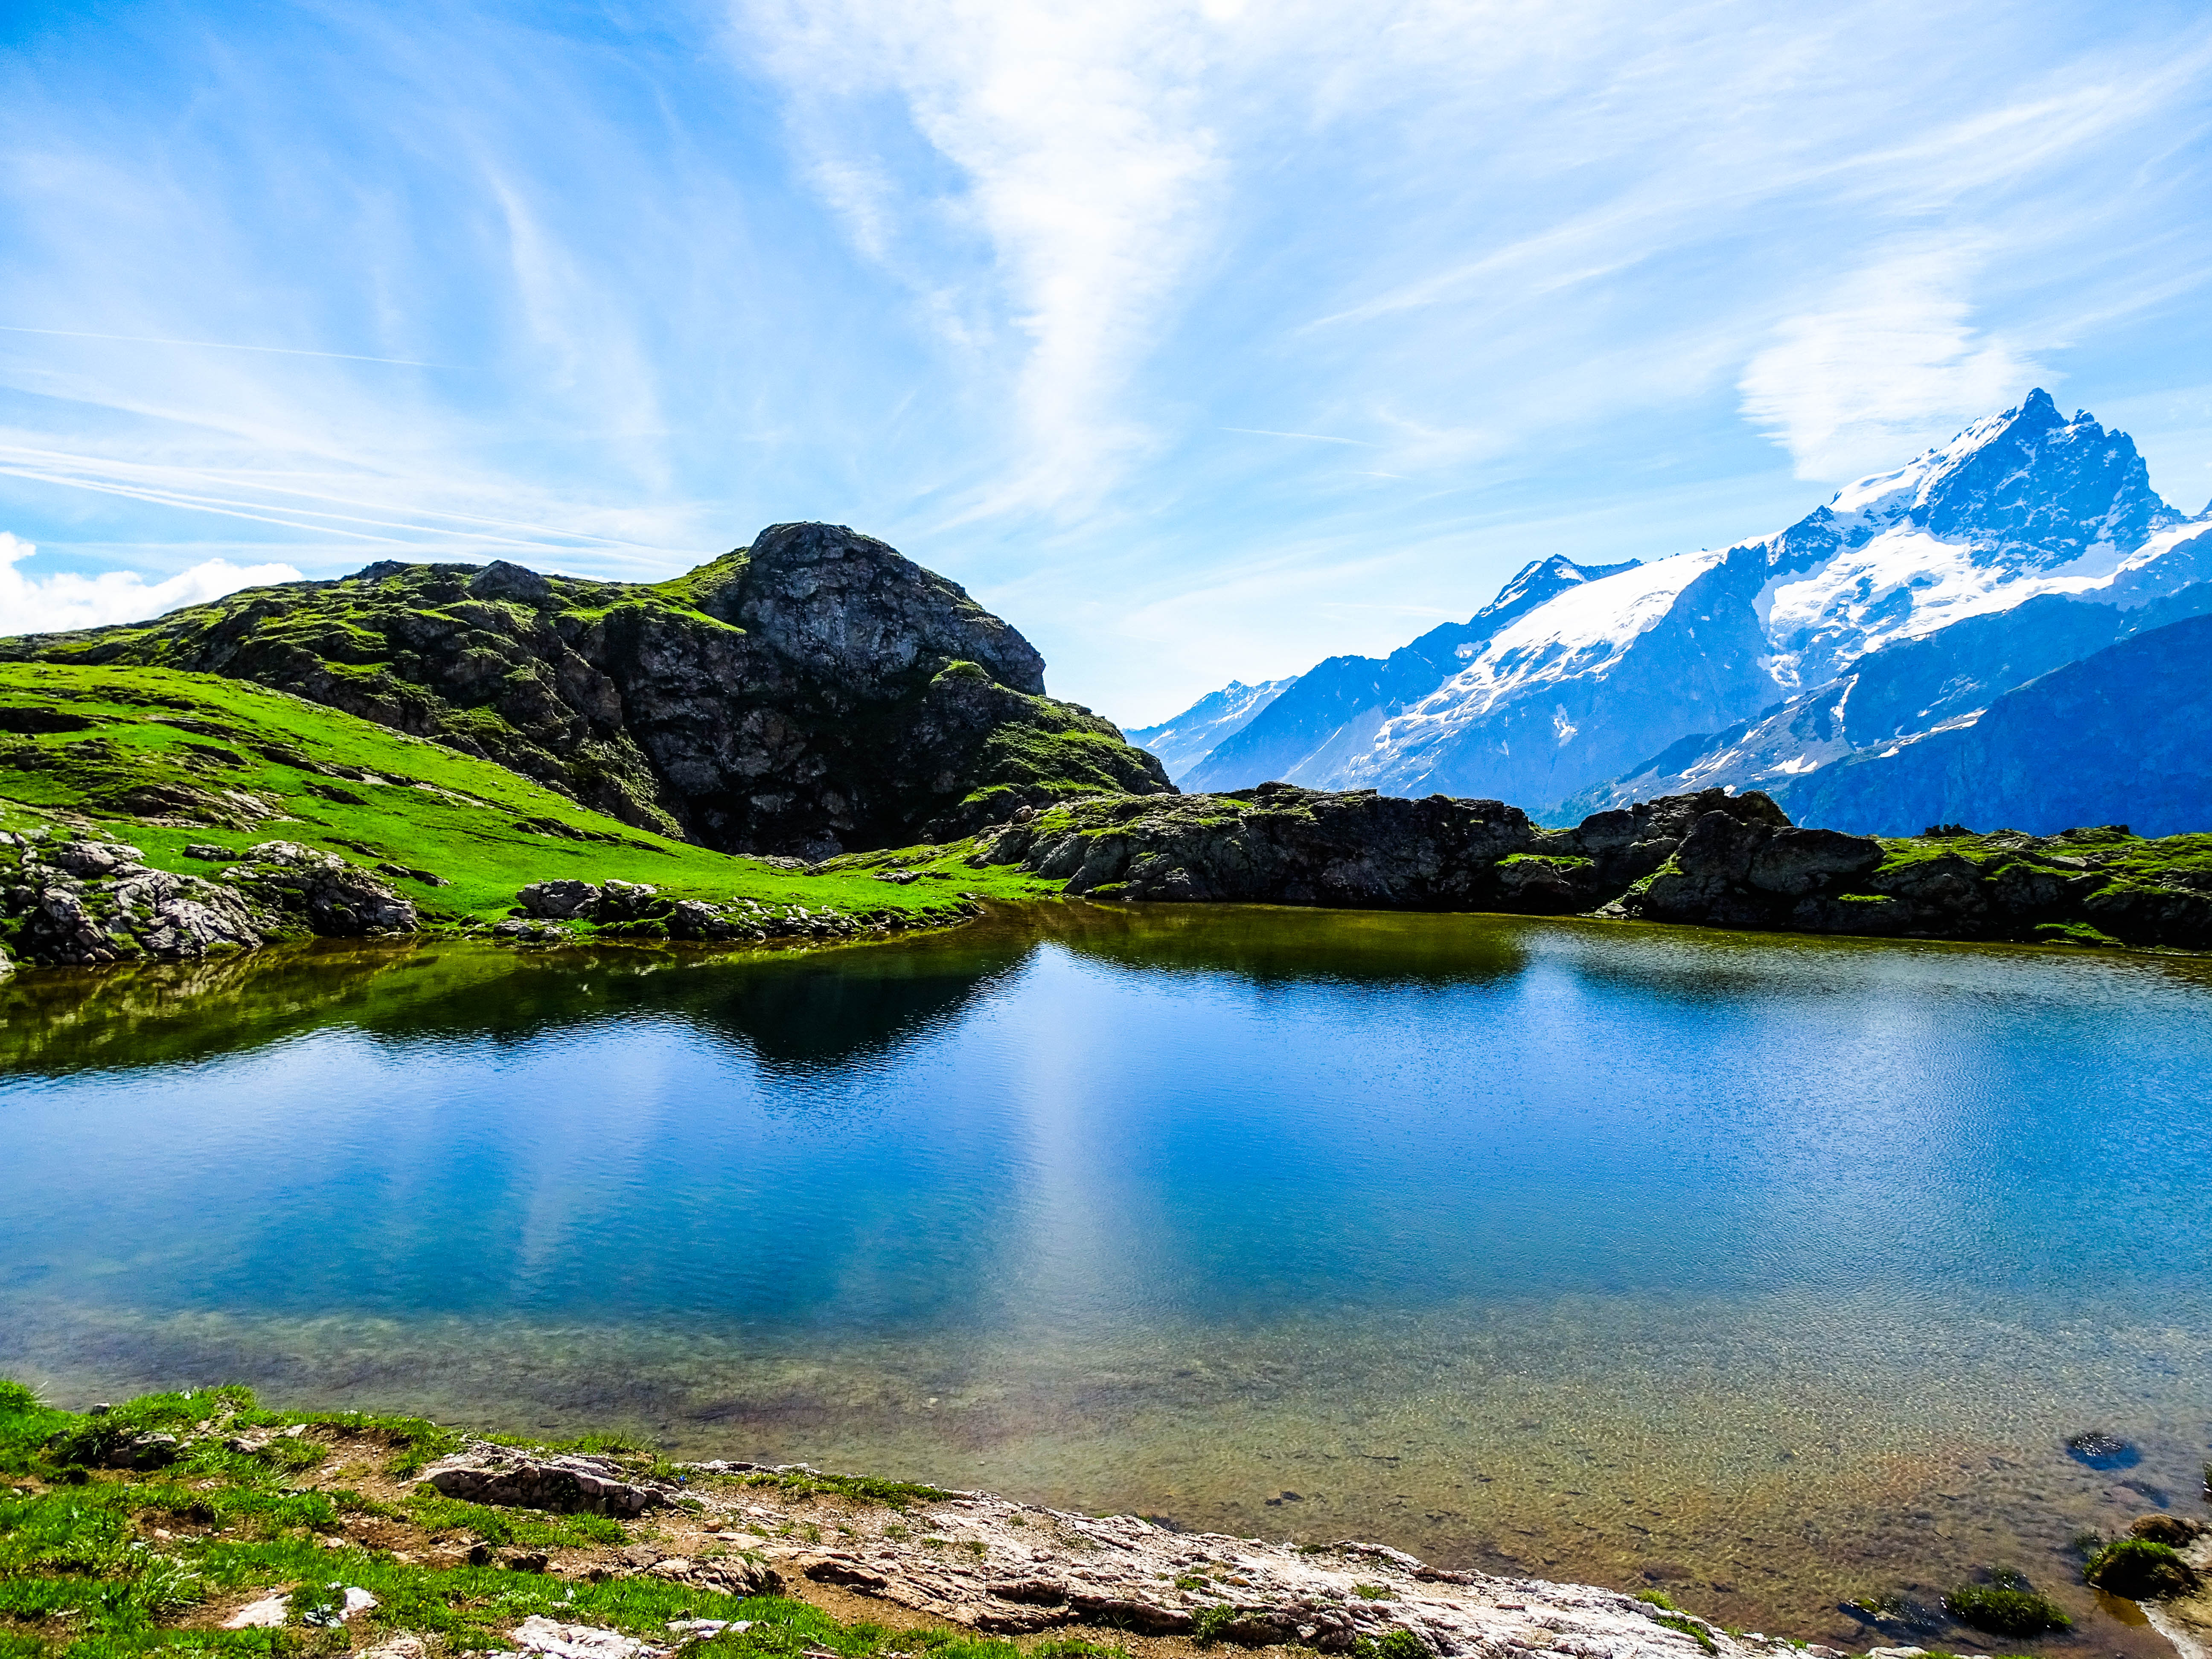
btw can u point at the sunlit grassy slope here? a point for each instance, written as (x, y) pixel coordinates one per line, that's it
(127, 748)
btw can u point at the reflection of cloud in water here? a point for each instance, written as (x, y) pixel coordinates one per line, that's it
(1598, 1246)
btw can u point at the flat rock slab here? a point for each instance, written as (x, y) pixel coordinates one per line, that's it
(1009, 1568)
(274, 1610)
(567, 1486)
(540, 1635)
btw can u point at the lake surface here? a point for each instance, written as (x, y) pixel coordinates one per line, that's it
(1771, 1271)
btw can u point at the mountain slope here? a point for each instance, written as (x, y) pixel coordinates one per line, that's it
(1905, 691)
(813, 692)
(1903, 580)
(1184, 740)
(2123, 730)
(1318, 725)
(140, 807)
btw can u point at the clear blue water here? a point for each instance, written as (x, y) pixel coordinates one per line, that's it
(1770, 1270)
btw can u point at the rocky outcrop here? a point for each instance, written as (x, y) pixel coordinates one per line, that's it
(813, 693)
(1276, 844)
(91, 900)
(1709, 858)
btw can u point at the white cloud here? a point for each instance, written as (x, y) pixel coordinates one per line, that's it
(42, 604)
(1088, 171)
(1891, 365)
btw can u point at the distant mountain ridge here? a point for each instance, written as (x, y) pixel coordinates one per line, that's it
(1206, 724)
(1905, 606)
(1301, 734)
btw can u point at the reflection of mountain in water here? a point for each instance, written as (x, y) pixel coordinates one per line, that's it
(795, 1015)
(811, 1017)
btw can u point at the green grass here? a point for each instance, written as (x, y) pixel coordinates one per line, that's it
(435, 1512)
(2006, 1606)
(894, 1494)
(270, 764)
(1688, 1627)
(83, 1574)
(1395, 1644)
(2175, 860)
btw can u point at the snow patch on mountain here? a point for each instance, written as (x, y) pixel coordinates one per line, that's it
(1187, 739)
(1582, 631)
(1747, 661)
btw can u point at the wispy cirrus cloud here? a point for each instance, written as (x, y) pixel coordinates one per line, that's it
(1085, 162)
(1890, 363)
(1019, 284)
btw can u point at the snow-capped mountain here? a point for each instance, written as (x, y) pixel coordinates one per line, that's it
(1196, 732)
(1323, 721)
(1908, 601)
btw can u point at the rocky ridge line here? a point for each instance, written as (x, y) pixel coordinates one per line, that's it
(813, 692)
(1709, 858)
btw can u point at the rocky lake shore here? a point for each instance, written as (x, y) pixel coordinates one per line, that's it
(201, 1521)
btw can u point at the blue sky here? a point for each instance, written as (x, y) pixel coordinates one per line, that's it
(1201, 340)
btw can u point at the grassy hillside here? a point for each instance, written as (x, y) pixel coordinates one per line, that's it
(815, 694)
(168, 760)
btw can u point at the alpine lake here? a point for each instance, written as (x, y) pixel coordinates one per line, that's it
(1769, 1272)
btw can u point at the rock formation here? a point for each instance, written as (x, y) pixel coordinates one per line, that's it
(1711, 859)
(811, 693)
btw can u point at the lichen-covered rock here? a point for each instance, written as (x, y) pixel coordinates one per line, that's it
(559, 900)
(1744, 871)
(814, 692)
(1709, 858)
(336, 898)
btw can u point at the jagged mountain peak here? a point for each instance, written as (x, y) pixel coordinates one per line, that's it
(1547, 688)
(1540, 578)
(2024, 486)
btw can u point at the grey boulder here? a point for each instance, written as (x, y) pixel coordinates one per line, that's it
(566, 1485)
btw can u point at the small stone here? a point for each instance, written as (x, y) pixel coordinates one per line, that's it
(2102, 1450)
(540, 1635)
(268, 1613)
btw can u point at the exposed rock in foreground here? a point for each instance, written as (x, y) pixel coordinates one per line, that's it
(989, 1565)
(813, 692)
(1711, 859)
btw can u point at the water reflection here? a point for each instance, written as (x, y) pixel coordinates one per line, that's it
(1595, 1249)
